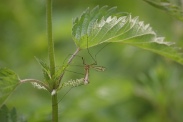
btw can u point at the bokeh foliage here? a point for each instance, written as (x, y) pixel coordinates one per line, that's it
(137, 85)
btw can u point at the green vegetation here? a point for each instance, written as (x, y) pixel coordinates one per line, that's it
(137, 85)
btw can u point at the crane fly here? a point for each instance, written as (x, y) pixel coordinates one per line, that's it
(87, 68)
(93, 65)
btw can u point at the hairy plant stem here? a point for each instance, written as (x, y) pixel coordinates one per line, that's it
(50, 40)
(51, 59)
(54, 108)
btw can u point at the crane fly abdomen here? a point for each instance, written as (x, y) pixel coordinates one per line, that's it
(86, 78)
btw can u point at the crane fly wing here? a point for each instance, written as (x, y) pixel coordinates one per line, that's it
(99, 68)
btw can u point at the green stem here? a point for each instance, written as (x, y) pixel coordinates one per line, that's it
(50, 40)
(52, 59)
(54, 108)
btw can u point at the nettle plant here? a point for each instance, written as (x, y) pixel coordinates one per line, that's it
(94, 27)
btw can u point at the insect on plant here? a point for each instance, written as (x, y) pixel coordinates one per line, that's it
(87, 68)
(94, 65)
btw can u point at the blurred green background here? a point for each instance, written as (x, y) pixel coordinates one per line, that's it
(137, 86)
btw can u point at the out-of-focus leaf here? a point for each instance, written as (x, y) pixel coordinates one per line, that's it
(168, 6)
(7, 115)
(101, 25)
(4, 114)
(13, 115)
(8, 82)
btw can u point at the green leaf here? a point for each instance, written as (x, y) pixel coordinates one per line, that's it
(8, 82)
(89, 26)
(45, 69)
(57, 74)
(104, 24)
(47, 76)
(168, 6)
